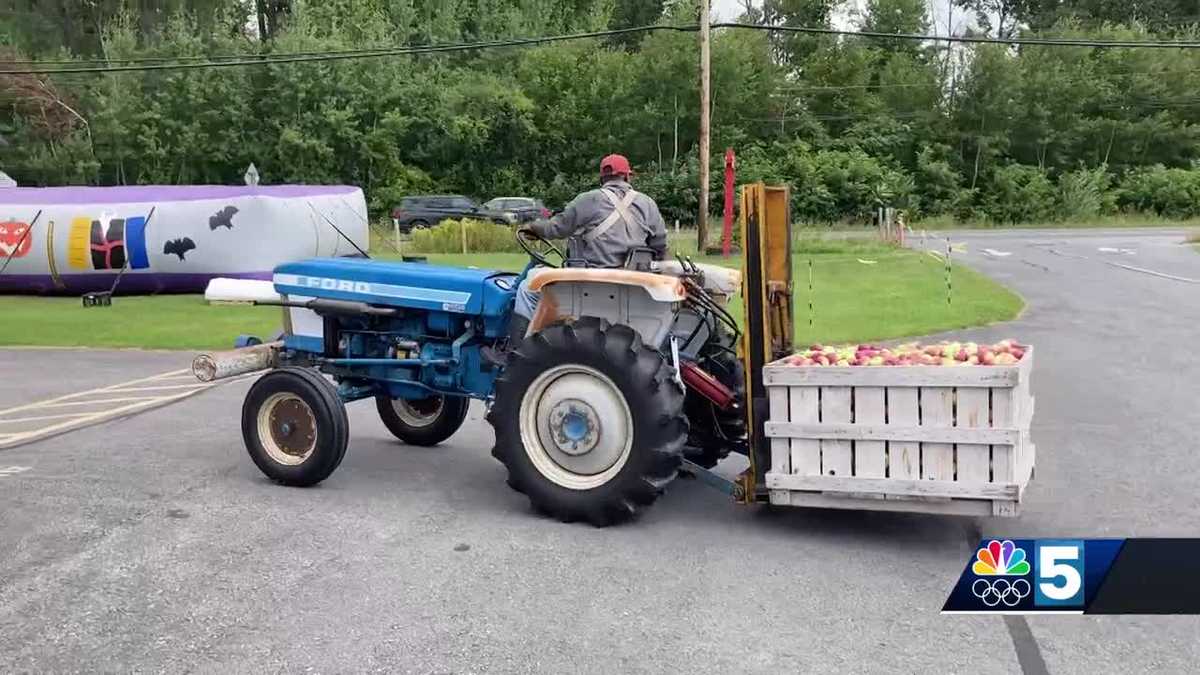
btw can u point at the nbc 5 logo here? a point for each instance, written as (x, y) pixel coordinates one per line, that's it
(1059, 564)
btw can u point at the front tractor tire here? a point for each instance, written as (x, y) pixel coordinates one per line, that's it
(423, 422)
(295, 426)
(589, 422)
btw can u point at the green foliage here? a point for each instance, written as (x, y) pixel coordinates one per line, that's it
(1018, 194)
(980, 131)
(1174, 193)
(482, 237)
(1084, 193)
(938, 185)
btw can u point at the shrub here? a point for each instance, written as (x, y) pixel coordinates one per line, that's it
(1019, 194)
(482, 237)
(1084, 194)
(938, 185)
(1174, 193)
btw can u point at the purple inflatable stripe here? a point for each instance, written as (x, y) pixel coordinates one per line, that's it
(160, 193)
(131, 284)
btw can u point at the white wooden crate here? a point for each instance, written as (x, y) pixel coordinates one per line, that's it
(901, 438)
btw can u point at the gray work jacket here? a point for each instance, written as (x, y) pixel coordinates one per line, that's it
(605, 244)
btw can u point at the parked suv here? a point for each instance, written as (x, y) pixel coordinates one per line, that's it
(524, 208)
(425, 210)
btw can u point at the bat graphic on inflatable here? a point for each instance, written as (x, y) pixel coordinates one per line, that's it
(179, 246)
(222, 218)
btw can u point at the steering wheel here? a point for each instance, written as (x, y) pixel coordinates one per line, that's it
(538, 247)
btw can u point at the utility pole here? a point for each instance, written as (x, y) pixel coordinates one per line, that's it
(702, 221)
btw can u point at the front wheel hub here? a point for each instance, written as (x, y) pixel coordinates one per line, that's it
(287, 428)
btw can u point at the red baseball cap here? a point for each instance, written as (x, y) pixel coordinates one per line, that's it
(615, 164)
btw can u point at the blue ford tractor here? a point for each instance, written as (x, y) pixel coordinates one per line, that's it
(619, 376)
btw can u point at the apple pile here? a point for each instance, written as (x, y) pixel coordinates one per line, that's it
(1003, 353)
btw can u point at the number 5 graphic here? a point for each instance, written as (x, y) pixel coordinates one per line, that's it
(1059, 573)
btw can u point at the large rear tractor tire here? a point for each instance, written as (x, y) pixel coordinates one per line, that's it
(424, 422)
(588, 421)
(295, 426)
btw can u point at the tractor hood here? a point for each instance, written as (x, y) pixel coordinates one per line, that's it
(399, 284)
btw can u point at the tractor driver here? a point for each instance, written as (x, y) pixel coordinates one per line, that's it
(601, 227)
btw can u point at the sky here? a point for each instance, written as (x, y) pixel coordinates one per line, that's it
(728, 10)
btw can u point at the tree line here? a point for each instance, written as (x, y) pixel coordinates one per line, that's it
(968, 131)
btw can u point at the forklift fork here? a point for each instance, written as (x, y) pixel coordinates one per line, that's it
(765, 221)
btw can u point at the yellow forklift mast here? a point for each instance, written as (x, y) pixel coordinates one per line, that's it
(766, 228)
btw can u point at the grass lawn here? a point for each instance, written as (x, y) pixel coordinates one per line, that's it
(903, 294)
(148, 322)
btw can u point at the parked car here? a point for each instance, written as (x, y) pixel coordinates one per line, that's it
(524, 208)
(426, 210)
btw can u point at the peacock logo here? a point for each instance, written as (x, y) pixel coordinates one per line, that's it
(1000, 558)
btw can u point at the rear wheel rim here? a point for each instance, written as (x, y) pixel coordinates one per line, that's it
(287, 428)
(421, 413)
(576, 427)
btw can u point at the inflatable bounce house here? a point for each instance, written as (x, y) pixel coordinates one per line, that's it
(172, 239)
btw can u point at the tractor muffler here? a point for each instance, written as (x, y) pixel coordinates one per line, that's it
(702, 382)
(213, 366)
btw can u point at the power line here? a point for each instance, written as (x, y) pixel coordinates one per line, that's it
(263, 56)
(183, 63)
(975, 39)
(797, 88)
(305, 57)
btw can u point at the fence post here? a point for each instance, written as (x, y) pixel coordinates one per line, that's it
(463, 228)
(949, 288)
(810, 294)
(396, 230)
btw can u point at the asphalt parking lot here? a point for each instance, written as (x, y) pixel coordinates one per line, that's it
(152, 543)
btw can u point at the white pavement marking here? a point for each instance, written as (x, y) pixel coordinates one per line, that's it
(39, 418)
(103, 397)
(13, 470)
(1143, 270)
(95, 401)
(996, 254)
(1152, 272)
(129, 390)
(38, 404)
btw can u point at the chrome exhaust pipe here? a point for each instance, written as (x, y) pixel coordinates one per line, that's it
(212, 366)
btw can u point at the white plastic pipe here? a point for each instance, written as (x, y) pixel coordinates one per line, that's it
(223, 289)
